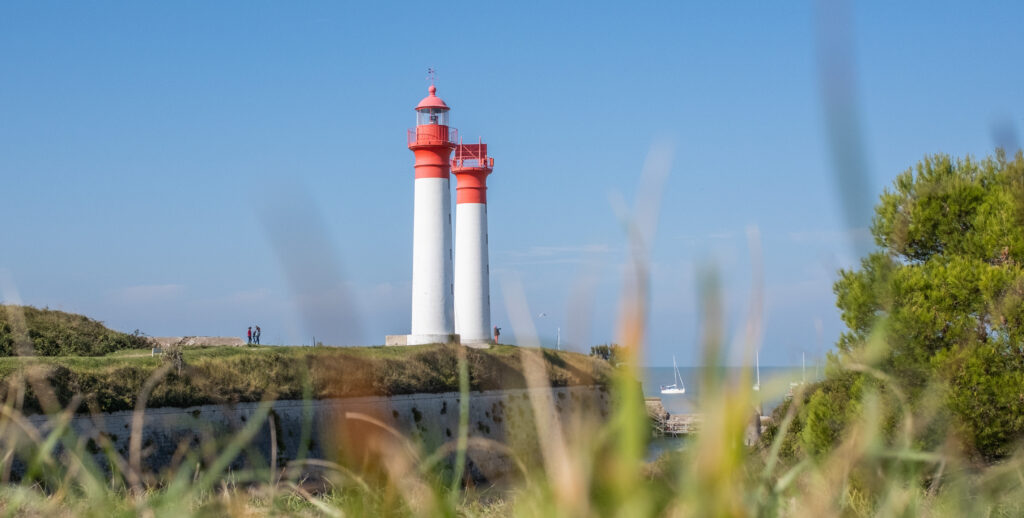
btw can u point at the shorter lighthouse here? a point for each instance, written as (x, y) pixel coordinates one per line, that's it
(471, 166)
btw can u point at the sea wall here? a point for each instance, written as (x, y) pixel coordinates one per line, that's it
(169, 435)
(199, 341)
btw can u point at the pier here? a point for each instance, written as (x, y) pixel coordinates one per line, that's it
(665, 424)
(678, 425)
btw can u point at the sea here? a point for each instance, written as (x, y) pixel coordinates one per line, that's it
(774, 382)
(778, 378)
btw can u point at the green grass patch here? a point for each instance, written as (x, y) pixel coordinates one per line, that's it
(239, 374)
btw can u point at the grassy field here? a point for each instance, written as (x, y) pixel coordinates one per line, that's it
(235, 374)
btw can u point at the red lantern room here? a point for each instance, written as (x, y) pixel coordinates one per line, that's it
(432, 110)
(432, 140)
(432, 123)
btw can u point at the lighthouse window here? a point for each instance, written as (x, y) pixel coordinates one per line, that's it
(432, 116)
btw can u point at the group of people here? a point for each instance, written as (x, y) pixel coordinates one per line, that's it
(254, 336)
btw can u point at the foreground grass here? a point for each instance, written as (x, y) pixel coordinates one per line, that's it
(245, 374)
(587, 467)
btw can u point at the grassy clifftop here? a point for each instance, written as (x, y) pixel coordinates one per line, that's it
(48, 332)
(237, 374)
(55, 356)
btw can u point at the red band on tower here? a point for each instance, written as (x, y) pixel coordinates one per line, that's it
(432, 162)
(471, 166)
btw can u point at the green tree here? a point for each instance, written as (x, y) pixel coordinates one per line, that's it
(944, 294)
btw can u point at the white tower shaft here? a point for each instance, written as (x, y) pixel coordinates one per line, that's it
(432, 283)
(472, 276)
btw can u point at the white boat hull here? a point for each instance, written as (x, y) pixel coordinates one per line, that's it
(677, 387)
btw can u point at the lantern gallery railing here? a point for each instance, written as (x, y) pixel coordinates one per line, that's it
(472, 155)
(432, 135)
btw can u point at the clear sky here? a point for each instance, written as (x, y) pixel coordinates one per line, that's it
(193, 168)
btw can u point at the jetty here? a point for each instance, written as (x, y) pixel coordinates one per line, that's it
(678, 425)
(664, 424)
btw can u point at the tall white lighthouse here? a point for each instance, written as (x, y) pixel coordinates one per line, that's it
(433, 288)
(472, 272)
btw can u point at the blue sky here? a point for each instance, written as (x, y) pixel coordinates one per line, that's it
(195, 167)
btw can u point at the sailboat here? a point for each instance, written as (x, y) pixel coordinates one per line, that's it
(677, 387)
(803, 375)
(757, 368)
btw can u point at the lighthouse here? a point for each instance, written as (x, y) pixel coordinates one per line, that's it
(471, 166)
(432, 142)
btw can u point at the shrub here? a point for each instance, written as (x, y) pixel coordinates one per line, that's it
(56, 333)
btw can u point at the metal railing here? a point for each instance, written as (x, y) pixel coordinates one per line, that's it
(432, 135)
(472, 156)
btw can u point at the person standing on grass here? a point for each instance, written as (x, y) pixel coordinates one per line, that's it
(497, 332)
(249, 335)
(257, 335)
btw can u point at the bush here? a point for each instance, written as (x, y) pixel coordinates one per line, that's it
(56, 333)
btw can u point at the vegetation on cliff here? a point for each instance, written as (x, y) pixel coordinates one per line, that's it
(236, 374)
(30, 331)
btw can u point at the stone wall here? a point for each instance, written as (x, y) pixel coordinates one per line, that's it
(191, 341)
(427, 420)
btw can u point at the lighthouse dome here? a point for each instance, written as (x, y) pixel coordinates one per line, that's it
(432, 101)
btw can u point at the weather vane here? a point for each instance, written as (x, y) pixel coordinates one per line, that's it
(431, 75)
